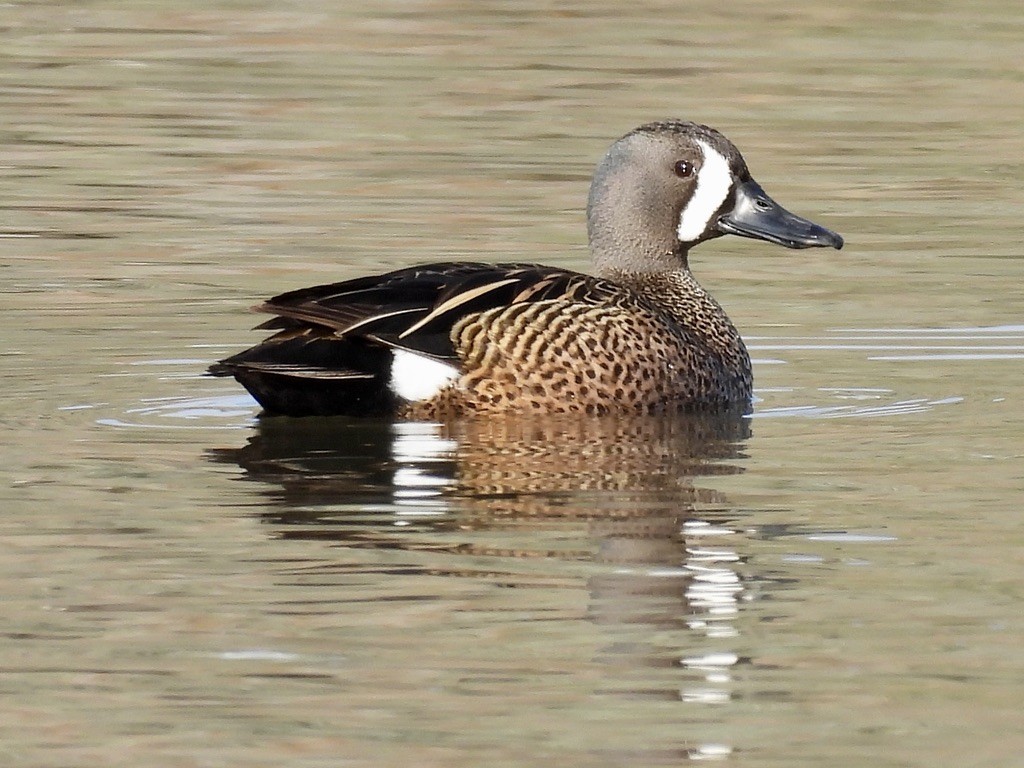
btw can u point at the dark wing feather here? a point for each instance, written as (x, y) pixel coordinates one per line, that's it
(415, 308)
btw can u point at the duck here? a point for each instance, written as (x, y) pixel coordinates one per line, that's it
(439, 340)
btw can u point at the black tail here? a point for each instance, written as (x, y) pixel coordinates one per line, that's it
(296, 375)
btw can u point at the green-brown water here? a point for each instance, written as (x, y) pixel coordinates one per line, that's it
(836, 582)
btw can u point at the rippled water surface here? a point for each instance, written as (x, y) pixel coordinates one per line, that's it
(835, 581)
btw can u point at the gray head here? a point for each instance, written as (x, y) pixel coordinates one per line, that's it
(665, 187)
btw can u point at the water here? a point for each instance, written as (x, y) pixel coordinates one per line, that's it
(835, 581)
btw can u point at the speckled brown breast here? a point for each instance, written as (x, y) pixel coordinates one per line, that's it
(674, 347)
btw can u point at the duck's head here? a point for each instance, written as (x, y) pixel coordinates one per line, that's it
(665, 187)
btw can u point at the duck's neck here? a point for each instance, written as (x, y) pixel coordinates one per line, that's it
(631, 226)
(614, 257)
(677, 292)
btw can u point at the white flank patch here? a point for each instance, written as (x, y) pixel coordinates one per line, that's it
(415, 377)
(714, 180)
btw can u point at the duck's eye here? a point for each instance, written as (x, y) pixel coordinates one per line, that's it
(684, 169)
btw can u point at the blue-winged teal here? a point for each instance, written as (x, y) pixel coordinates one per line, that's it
(441, 339)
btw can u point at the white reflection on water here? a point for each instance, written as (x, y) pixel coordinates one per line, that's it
(1000, 342)
(710, 752)
(419, 489)
(216, 410)
(896, 408)
(850, 537)
(258, 654)
(713, 593)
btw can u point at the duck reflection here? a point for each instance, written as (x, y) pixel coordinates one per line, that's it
(626, 497)
(503, 463)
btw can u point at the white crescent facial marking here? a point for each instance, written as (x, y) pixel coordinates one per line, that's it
(714, 180)
(415, 377)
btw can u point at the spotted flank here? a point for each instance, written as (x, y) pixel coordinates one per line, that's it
(440, 340)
